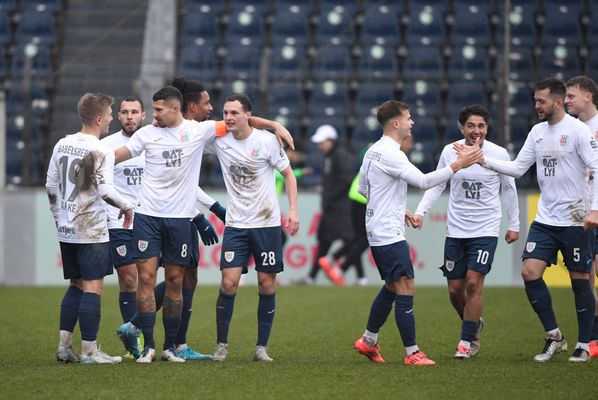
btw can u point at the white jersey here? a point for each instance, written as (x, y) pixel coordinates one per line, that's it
(127, 177)
(172, 166)
(474, 205)
(563, 152)
(248, 170)
(79, 180)
(383, 180)
(593, 124)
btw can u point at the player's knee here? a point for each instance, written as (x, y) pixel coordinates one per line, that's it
(267, 287)
(127, 282)
(229, 286)
(190, 278)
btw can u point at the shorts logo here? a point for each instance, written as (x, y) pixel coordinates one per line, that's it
(449, 265)
(530, 246)
(121, 250)
(229, 256)
(142, 245)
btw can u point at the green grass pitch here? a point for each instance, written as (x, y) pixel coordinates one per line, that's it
(311, 343)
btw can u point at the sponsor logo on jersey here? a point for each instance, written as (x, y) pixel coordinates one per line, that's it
(229, 256)
(530, 246)
(173, 157)
(449, 265)
(564, 139)
(122, 250)
(142, 245)
(549, 164)
(472, 188)
(133, 176)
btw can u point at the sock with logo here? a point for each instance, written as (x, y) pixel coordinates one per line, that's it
(127, 302)
(585, 305)
(405, 319)
(380, 309)
(540, 300)
(266, 309)
(224, 312)
(181, 336)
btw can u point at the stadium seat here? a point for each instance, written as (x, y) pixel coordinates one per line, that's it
(242, 62)
(367, 130)
(245, 27)
(49, 5)
(259, 7)
(334, 26)
(423, 155)
(369, 96)
(286, 99)
(470, 23)
(559, 60)
(332, 62)
(425, 129)
(328, 99)
(521, 103)
(561, 23)
(423, 97)
(287, 61)
(247, 87)
(522, 24)
(521, 60)
(520, 127)
(425, 23)
(5, 34)
(377, 62)
(201, 25)
(41, 61)
(198, 61)
(461, 94)
(38, 97)
(422, 62)
(208, 6)
(8, 6)
(36, 26)
(380, 26)
(291, 25)
(3, 69)
(468, 62)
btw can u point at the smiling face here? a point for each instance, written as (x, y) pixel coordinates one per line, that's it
(235, 118)
(577, 100)
(547, 106)
(475, 127)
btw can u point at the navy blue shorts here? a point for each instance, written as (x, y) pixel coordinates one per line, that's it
(544, 241)
(593, 235)
(194, 247)
(168, 238)
(239, 244)
(87, 261)
(460, 255)
(393, 261)
(121, 247)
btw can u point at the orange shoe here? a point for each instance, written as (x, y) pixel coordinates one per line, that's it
(333, 273)
(594, 349)
(418, 358)
(371, 352)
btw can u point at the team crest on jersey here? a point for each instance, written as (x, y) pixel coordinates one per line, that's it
(183, 137)
(229, 256)
(530, 246)
(142, 245)
(564, 139)
(255, 153)
(449, 265)
(121, 250)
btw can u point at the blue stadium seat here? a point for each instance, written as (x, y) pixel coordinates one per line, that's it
(41, 62)
(199, 25)
(37, 26)
(335, 26)
(241, 62)
(291, 25)
(471, 23)
(49, 5)
(370, 95)
(424, 129)
(426, 23)
(461, 94)
(423, 98)
(522, 23)
(377, 62)
(468, 62)
(38, 97)
(245, 27)
(198, 61)
(332, 62)
(259, 7)
(521, 61)
(521, 103)
(208, 6)
(423, 155)
(380, 26)
(3, 68)
(520, 127)
(329, 99)
(286, 99)
(367, 130)
(422, 62)
(287, 61)
(247, 87)
(561, 23)
(5, 34)
(559, 60)
(592, 66)
(8, 6)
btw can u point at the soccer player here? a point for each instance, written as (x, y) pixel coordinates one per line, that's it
(127, 180)
(248, 158)
(563, 149)
(383, 178)
(473, 223)
(581, 100)
(79, 183)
